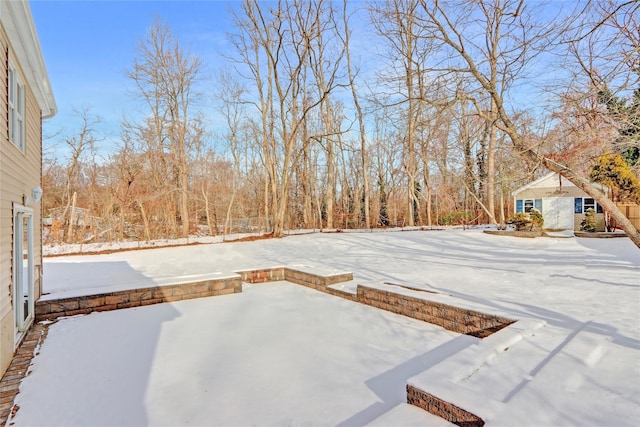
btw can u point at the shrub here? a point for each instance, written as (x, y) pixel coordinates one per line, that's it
(536, 218)
(588, 223)
(456, 218)
(527, 221)
(520, 220)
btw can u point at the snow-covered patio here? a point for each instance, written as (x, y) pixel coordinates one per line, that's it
(281, 354)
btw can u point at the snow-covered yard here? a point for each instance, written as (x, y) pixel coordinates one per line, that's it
(281, 354)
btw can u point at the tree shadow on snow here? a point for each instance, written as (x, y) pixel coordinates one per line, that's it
(390, 385)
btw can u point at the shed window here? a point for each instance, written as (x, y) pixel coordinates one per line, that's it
(582, 204)
(526, 205)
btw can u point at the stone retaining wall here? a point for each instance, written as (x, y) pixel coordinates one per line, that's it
(442, 409)
(262, 275)
(521, 233)
(52, 309)
(311, 280)
(452, 318)
(315, 281)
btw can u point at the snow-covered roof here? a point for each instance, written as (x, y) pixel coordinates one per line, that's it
(549, 180)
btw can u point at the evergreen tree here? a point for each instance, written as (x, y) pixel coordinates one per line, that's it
(416, 194)
(589, 221)
(383, 219)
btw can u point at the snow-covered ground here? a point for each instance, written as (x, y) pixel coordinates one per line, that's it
(279, 354)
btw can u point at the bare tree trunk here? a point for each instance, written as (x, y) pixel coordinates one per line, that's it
(72, 218)
(491, 169)
(145, 221)
(207, 211)
(363, 137)
(184, 205)
(502, 219)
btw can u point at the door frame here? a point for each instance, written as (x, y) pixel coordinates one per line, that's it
(23, 288)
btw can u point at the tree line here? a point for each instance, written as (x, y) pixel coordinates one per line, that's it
(435, 120)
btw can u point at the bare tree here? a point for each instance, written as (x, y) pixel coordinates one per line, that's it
(127, 166)
(325, 57)
(230, 93)
(521, 40)
(79, 145)
(346, 37)
(274, 45)
(396, 20)
(166, 76)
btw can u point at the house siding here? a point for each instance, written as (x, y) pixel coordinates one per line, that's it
(548, 193)
(19, 173)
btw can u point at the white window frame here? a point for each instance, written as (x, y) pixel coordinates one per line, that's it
(591, 205)
(529, 203)
(16, 109)
(23, 288)
(597, 207)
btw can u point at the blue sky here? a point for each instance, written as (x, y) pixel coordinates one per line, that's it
(88, 45)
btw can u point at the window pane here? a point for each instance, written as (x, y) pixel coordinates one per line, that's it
(519, 207)
(20, 136)
(577, 205)
(538, 204)
(20, 98)
(528, 205)
(589, 204)
(12, 83)
(599, 208)
(26, 275)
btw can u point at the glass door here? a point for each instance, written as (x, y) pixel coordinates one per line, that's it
(23, 270)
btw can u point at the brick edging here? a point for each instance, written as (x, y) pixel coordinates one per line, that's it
(18, 369)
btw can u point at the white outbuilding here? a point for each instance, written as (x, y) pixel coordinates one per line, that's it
(561, 203)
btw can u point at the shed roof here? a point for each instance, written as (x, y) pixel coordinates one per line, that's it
(551, 180)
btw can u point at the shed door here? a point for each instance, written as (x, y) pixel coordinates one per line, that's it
(558, 213)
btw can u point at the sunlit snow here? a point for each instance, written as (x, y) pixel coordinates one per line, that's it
(282, 354)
